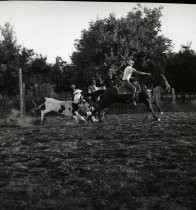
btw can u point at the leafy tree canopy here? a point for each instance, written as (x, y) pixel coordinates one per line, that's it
(9, 59)
(181, 69)
(110, 41)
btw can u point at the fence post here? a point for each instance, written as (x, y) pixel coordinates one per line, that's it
(21, 93)
(173, 95)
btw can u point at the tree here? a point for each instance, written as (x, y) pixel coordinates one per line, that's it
(35, 68)
(181, 69)
(39, 71)
(59, 70)
(110, 41)
(13, 57)
(9, 60)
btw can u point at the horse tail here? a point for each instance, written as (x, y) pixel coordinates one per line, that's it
(157, 93)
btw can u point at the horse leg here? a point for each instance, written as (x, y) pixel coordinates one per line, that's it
(92, 115)
(149, 106)
(99, 114)
(158, 107)
(80, 117)
(94, 112)
(103, 114)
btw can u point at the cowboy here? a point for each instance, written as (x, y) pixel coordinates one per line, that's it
(129, 70)
(92, 87)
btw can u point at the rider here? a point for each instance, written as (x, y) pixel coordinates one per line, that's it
(92, 87)
(95, 90)
(129, 70)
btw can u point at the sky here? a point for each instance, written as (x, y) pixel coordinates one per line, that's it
(50, 27)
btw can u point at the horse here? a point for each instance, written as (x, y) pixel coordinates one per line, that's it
(93, 98)
(147, 95)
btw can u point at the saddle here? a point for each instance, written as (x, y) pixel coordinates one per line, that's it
(124, 90)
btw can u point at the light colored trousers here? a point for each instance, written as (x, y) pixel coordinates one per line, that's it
(131, 87)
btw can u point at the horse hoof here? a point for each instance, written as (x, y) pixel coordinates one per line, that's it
(93, 119)
(162, 113)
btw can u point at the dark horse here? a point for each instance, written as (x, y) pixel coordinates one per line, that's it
(146, 93)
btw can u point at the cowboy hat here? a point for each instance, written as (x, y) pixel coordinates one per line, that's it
(77, 91)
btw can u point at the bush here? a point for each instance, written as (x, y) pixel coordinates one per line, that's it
(7, 103)
(33, 98)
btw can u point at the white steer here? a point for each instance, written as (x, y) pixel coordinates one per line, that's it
(68, 108)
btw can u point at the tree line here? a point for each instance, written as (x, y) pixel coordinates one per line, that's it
(102, 48)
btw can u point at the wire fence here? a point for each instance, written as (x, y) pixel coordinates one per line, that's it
(180, 102)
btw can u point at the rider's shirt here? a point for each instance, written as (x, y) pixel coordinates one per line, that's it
(128, 72)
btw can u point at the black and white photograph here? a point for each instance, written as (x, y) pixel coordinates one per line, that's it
(97, 105)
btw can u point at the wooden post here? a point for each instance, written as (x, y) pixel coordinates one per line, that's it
(173, 96)
(21, 93)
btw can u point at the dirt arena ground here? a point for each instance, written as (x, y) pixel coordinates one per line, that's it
(127, 162)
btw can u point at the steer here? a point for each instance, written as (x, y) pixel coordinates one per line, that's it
(68, 108)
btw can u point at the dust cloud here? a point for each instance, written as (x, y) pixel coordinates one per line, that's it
(14, 119)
